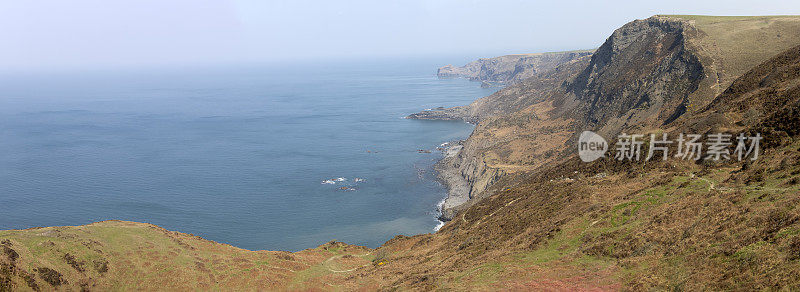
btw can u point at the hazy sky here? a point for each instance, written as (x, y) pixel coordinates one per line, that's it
(64, 34)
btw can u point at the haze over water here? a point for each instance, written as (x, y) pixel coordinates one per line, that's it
(235, 155)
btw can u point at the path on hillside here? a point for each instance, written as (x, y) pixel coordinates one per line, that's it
(712, 186)
(344, 271)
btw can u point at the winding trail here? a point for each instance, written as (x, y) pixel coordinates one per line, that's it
(712, 186)
(344, 271)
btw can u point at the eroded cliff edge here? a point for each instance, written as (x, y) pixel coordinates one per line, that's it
(645, 76)
(509, 69)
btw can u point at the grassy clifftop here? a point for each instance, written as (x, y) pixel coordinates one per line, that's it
(731, 45)
(120, 255)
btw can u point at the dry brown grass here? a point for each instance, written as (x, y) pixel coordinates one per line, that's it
(123, 255)
(670, 225)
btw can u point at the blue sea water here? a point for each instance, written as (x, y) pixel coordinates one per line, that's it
(235, 155)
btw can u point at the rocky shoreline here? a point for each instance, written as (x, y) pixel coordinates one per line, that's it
(463, 169)
(447, 172)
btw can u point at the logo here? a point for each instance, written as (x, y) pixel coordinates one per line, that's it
(591, 146)
(631, 147)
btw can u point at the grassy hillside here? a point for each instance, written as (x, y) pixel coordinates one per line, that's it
(731, 45)
(674, 225)
(119, 255)
(648, 73)
(669, 226)
(557, 223)
(696, 228)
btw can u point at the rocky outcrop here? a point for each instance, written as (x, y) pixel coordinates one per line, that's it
(511, 99)
(454, 113)
(646, 76)
(641, 77)
(510, 69)
(466, 176)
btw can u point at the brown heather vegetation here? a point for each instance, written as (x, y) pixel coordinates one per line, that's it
(551, 222)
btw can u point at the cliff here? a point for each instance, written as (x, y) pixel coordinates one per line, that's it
(645, 76)
(509, 69)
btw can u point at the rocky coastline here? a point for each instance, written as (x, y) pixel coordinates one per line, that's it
(509, 69)
(447, 172)
(463, 169)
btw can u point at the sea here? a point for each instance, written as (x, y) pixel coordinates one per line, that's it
(283, 156)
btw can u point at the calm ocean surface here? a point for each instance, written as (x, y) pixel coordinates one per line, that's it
(235, 155)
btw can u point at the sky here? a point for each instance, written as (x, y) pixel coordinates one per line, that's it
(81, 34)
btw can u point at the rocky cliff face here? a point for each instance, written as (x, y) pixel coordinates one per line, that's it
(510, 69)
(513, 98)
(641, 77)
(647, 75)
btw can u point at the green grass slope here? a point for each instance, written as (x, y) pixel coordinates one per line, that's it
(120, 255)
